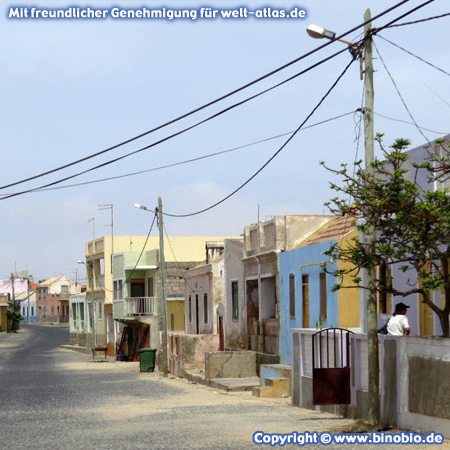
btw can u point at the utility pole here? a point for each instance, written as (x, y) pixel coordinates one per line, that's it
(13, 293)
(162, 267)
(372, 336)
(29, 293)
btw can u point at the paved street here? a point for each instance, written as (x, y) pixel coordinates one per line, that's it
(59, 399)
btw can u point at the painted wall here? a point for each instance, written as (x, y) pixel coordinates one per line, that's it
(304, 261)
(176, 308)
(235, 329)
(348, 299)
(198, 283)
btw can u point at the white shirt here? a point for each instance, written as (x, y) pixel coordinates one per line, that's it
(397, 325)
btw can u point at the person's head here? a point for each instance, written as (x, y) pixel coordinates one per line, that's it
(401, 308)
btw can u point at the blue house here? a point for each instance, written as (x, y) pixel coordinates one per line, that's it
(306, 296)
(28, 305)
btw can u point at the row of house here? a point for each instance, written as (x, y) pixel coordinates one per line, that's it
(237, 293)
(242, 293)
(43, 302)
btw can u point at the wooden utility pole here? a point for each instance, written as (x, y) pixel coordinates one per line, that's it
(162, 267)
(372, 336)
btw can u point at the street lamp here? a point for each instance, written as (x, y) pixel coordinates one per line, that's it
(317, 32)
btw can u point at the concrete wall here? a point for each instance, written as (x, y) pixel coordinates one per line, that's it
(414, 380)
(238, 364)
(235, 329)
(187, 352)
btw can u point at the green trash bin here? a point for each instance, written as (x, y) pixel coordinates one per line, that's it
(147, 359)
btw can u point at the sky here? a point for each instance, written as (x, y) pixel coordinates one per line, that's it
(72, 87)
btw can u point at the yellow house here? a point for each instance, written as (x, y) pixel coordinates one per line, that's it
(4, 305)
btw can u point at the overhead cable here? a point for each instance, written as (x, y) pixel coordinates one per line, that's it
(415, 56)
(187, 161)
(275, 154)
(206, 105)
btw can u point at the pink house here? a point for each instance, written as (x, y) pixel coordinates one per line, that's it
(52, 299)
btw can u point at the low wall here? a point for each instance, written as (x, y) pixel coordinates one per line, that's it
(414, 380)
(187, 351)
(238, 364)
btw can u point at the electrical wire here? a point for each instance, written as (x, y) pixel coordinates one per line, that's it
(275, 154)
(415, 56)
(419, 21)
(206, 105)
(409, 123)
(389, 25)
(400, 95)
(187, 161)
(177, 133)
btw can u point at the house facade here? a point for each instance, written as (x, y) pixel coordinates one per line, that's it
(4, 307)
(422, 320)
(137, 291)
(263, 244)
(80, 322)
(52, 299)
(307, 296)
(28, 304)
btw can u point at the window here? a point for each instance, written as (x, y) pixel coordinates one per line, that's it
(235, 300)
(292, 295)
(305, 302)
(117, 290)
(52, 310)
(64, 289)
(100, 310)
(323, 295)
(32, 310)
(74, 317)
(190, 309)
(23, 311)
(384, 297)
(205, 308)
(150, 288)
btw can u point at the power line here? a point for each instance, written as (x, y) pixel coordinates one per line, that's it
(139, 258)
(415, 56)
(409, 123)
(177, 133)
(408, 13)
(187, 161)
(400, 95)
(206, 105)
(275, 154)
(419, 21)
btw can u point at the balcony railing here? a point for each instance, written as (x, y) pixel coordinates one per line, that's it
(140, 306)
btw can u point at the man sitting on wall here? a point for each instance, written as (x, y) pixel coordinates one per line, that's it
(398, 324)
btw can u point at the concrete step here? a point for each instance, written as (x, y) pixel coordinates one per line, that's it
(275, 371)
(234, 384)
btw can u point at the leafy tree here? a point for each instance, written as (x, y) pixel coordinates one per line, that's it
(409, 226)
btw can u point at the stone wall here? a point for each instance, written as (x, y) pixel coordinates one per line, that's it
(238, 364)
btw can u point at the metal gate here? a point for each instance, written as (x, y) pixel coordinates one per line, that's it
(331, 366)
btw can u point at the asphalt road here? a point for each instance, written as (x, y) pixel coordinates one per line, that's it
(52, 398)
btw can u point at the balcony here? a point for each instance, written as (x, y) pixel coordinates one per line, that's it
(139, 306)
